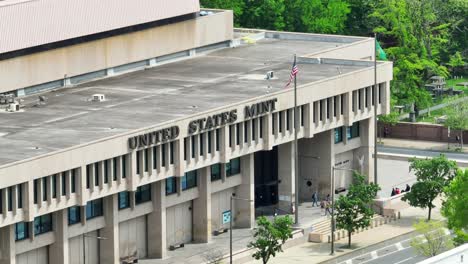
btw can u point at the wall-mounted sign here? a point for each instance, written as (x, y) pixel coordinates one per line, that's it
(341, 163)
(154, 137)
(226, 217)
(260, 108)
(213, 121)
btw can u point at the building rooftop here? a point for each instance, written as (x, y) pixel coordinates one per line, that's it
(155, 95)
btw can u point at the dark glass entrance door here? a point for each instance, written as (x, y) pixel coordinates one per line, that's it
(266, 177)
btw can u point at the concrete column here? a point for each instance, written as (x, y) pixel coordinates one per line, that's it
(338, 107)
(286, 186)
(28, 201)
(324, 111)
(109, 247)
(331, 109)
(132, 177)
(225, 152)
(268, 136)
(59, 186)
(316, 157)
(7, 245)
(282, 126)
(366, 150)
(241, 134)
(202, 208)
(157, 221)
(385, 106)
(308, 120)
(150, 160)
(248, 123)
(179, 157)
(81, 186)
(14, 195)
(159, 158)
(4, 205)
(59, 249)
(348, 108)
(140, 163)
(101, 165)
(245, 210)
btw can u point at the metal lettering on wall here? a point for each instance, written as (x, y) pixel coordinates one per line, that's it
(202, 124)
(154, 137)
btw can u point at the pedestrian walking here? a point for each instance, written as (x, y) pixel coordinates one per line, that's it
(315, 199)
(397, 191)
(393, 192)
(408, 188)
(328, 198)
(327, 208)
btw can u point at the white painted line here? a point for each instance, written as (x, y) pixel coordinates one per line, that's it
(404, 260)
(399, 246)
(374, 254)
(349, 261)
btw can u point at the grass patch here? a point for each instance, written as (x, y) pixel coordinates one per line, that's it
(432, 118)
(453, 82)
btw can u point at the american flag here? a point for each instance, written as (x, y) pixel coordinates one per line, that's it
(293, 73)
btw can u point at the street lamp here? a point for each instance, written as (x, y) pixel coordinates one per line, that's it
(230, 223)
(333, 206)
(84, 244)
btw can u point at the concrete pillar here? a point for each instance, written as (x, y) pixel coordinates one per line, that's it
(202, 208)
(81, 186)
(268, 136)
(309, 121)
(132, 177)
(28, 201)
(157, 221)
(59, 249)
(7, 245)
(109, 247)
(316, 157)
(245, 210)
(286, 186)
(366, 150)
(348, 108)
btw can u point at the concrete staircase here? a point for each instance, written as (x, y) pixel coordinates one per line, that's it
(321, 231)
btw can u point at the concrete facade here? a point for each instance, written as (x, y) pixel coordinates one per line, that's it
(145, 171)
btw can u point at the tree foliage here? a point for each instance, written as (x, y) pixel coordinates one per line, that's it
(457, 118)
(353, 211)
(455, 206)
(270, 237)
(432, 176)
(432, 239)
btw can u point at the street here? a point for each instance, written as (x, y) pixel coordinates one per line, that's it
(399, 252)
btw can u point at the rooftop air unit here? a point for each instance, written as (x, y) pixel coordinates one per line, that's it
(99, 97)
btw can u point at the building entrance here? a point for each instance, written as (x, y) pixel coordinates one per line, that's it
(266, 178)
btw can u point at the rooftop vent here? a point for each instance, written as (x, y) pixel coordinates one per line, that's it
(99, 97)
(269, 75)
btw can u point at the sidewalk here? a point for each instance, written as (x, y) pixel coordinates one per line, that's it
(317, 253)
(421, 145)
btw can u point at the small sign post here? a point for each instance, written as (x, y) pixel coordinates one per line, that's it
(226, 217)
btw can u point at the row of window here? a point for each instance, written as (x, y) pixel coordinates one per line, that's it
(43, 224)
(189, 180)
(51, 182)
(365, 97)
(287, 117)
(101, 171)
(330, 109)
(351, 132)
(10, 196)
(159, 155)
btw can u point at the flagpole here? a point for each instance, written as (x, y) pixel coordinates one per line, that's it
(375, 107)
(296, 169)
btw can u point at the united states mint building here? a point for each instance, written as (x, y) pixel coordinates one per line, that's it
(126, 126)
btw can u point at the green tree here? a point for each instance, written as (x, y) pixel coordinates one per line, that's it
(270, 237)
(353, 210)
(432, 239)
(456, 62)
(457, 118)
(264, 14)
(432, 176)
(237, 6)
(317, 16)
(455, 206)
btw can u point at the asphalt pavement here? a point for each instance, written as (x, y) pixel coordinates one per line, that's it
(398, 251)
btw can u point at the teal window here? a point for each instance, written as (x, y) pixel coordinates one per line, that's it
(21, 231)
(233, 167)
(143, 194)
(42, 224)
(94, 209)
(338, 135)
(171, 185)
(216, 172)
(74, 215)
(189, 180)
(352, 131)
(124, 200)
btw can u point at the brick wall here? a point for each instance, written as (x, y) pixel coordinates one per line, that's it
(428, 132)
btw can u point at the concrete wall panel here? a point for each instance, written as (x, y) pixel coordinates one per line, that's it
(132, 237)
(179, 224)
(37, 256)
(219, 204)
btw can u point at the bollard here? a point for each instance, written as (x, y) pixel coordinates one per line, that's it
(329, 239)
(399, 215)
